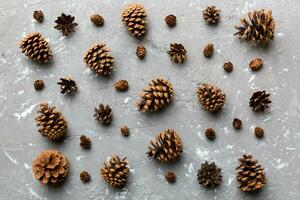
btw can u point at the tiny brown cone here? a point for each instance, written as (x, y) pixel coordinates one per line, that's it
(211, 15)
(103, 114)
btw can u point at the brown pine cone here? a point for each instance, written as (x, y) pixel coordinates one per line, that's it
(260, 101)
(259, 132)
(228, 67)
(210, 133)
(103, 114)
(124, 130)
(85, 142)
(38, 15)
(38, 85)
(36, 48)
(211, 97)
(121, 85)
(209, 175)
(97, 19)
(259, 29)
(208, 50)
(237, 123)
(250, 176)
(166, 147)
(50, 122)
(211, 15)
(155, 96)
(85, 176)
(50, 166)
(170, 177)
(170, 20)
(115, 171)
(177, 53)
(66, 24)
(256, 64)
(134, 17)
(67, 85)
(141, 51)
(99, 59)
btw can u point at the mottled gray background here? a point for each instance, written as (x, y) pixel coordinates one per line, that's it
(20, 142)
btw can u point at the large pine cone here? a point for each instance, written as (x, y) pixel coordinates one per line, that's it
(177, 53)
(259, 29)
(115, 171)
(134, 17)
(260, 101)
(209, 175)
(35, 47)
(103, 114)
(51, 123)
(211, 14)
(166, 147)
(99, 59)
(211, 97)
(250, 176)
(155, 96)
(50, 166)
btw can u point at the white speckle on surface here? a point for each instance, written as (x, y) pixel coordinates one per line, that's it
(25, 112)
(27, 166)
(21, 92)
(281, 165)
(126, 100)
(202, 153)
(10, 158)
(229, 147)
(251, 78)
(280, 34)
(78, 158)
(35, 195)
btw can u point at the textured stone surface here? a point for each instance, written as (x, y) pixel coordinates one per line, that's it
(20, 141)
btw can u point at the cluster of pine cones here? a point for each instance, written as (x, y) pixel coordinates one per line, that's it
(51, 166)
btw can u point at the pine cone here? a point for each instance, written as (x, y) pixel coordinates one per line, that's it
(85, 176)
(98, 20)
(209, 175)
(177, 53)
(38, 15)
(38, 85)
(228, 67)
(50, 166)
(237, 123)
(250, 176)
(98, 59)
(103, 114)
(166, 147)
(259, 29)
(115, 171)
(141, 52)
(35, 47)
(124, 131)
(85, 142)
(256, 64)
(121, 85)
(259, 132)
(50, 122)
(170, 177)
(259, 101)
(208, 50)
(211, 97)
(211, 15)
(155, 96)
(170, 20)
(210, 133)
(67, 85)
(66, 24)
(134, 17)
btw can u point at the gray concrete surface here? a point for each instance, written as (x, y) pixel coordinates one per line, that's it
(20, 142)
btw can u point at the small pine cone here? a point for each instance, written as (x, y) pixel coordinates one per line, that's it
(211, 97)
(177, 53)
(85, 142)
(208, 50)
(141, 52)
(250, 176)
(134, 17)
(99, 59)
(259, 101)
(211, 15)
(67, 85)
(50, 122)
(166, 147)
(121, 85)
(98, 20)
(85, 176)
(237, 123)
(171, 20)
(35, 47)
(103, 114)
(170, 177)
(209, 175)
(259, 132)
(115, 171)
(66, 24)
(228, 67)
(155, 96)
(38, 15)
(50, 166)
(210, 133)
(259, 29)
(124, 131)
(38, 85)
(256, 64)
